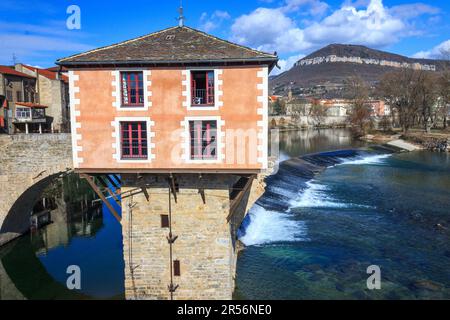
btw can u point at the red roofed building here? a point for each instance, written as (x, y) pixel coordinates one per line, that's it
(20, 109)
(53, 90)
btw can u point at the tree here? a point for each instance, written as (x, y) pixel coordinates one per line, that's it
(444, 96)
(401, 91)
(444, 88)
(298, 109)
(361, 111)
(427, 99)
(318, 112)
(278, 107)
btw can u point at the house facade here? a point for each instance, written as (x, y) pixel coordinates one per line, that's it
(175, 100)
(20, 109)
(52, 86)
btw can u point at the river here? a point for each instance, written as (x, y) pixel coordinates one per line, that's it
(311, 236)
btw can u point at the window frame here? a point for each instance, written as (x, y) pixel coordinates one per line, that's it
(117, 145)
(23, 110)
(129, 88)
(140, 139)
(118, 90)
(187, 140)
(187, 93)
(200, 150)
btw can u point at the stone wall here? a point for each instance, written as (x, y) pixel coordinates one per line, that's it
(206, 243)
(27, 164)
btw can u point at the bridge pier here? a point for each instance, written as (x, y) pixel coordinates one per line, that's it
(201, 262)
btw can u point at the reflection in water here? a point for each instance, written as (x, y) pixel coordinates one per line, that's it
(299, 142)
(80, 232)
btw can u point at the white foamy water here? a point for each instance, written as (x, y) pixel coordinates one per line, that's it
(373, 159)
(272, 226)
(315, 196)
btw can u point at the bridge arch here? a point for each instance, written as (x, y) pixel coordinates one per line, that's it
(28, 163)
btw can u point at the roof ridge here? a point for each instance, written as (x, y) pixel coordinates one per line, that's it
(229, 42)
(117, 44)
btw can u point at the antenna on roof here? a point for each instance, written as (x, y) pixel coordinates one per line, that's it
(14, 58)
(181, 17)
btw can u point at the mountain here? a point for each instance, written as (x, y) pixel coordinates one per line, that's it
(324, 71)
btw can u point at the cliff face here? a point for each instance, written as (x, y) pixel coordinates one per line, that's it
(333, 64)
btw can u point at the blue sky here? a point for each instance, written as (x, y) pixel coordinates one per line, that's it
(36, 32)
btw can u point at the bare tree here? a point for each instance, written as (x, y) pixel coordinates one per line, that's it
(361, 111)
(427, 99)
(401, 91)
(318, 112)
(444, 88)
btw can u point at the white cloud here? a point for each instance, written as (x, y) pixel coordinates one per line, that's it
(210, 22)
(373, 26)
(268, 30)
(361, 22)
(441, 51)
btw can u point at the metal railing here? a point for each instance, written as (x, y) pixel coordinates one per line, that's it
(203, 97)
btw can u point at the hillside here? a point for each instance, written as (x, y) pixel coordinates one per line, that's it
(324, 71)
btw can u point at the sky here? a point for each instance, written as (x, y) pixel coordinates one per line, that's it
(36, 32)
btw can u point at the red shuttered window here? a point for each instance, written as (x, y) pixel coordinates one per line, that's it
(202, 88)
(133, 137)
(203, 138)
(132, 88)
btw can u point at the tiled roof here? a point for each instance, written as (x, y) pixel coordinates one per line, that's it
(56, 69)
(11, 71)
(170, 46)
(47, 73)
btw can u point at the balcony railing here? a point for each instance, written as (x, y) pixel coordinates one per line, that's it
(203, 97)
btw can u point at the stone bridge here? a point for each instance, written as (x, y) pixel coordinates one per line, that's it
(28, 163)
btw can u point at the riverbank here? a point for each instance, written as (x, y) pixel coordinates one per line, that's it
(437, 140)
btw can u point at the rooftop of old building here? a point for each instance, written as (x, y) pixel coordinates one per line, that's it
(13, 72)
(175, 45)
(53, 75)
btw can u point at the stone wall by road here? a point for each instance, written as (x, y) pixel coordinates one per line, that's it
(27, 163)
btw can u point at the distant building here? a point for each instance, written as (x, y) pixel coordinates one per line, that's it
(336, 107)
(33, 100)
(379, 108)
(20, 110)
(53, 90)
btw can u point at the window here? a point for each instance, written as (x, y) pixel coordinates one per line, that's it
(164, 221)
(176, 268)
(9, 95)
(38, 113)
(19, 96)
(134, 140)
(202, 87)
(23, 113)
(132, 88)
(203, 138)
